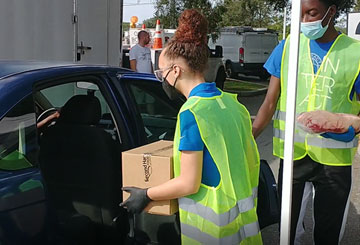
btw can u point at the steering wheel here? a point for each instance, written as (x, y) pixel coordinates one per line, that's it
(45, 120)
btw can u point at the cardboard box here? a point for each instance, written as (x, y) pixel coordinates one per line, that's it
(147, 166)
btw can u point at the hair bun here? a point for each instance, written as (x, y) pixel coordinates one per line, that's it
(192, 28)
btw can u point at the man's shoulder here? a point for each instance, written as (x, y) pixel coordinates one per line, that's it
(134, 48)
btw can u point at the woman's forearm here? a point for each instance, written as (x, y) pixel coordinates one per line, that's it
(174, 188)
(188, 182)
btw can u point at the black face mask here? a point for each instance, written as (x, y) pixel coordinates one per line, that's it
(170, 90)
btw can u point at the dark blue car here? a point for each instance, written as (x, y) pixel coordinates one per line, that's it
(62, 130)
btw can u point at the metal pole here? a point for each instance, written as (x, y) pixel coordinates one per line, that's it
(284, 24)
(121, 31)
(290, 124)
(75, 30)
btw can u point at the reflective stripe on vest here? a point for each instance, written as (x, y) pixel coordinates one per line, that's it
(223, 219)
(281, 135)
(246, 231)
(319, 141)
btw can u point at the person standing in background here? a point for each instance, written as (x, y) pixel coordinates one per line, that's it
(140, 55)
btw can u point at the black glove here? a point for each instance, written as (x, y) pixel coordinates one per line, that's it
(137, 201)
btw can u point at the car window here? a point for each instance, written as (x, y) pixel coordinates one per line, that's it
(18, 137)
(157, 111)
(58, 95)
(269, 41)
(253, 41)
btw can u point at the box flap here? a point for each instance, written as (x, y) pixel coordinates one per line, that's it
(159, 148)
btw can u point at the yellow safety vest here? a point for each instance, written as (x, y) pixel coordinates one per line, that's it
(329, 89)
(225, 214)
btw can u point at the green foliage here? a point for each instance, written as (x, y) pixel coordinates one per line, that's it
(357, 6)
(168, 12)
(255, 13)
(343, 5)
(150, 23)
(125, 26)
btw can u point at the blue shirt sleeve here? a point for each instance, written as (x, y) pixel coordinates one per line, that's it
(355, 88)
(190, 139)
(357, 85)
(273, 64)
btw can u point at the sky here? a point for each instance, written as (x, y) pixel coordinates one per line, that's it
(144, 10)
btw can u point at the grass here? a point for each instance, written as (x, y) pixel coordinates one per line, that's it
(242, 86)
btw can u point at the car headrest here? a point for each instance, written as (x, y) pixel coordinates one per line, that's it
(81, 109)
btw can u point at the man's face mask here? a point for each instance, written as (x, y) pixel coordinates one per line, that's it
(314, 30)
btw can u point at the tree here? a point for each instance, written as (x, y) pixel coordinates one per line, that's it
(150, 23)
(357, 6)
(168, 12)
(343, 5)
(255, 13)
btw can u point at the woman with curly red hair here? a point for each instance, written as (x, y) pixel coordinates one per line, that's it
(216, 162)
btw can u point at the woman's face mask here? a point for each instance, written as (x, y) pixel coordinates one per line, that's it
(169, 89)
(314, 30)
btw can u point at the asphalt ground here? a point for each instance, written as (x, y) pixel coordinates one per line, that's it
(271, 233)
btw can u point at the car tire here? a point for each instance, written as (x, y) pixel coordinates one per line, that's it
(220, 78)
(229, 71)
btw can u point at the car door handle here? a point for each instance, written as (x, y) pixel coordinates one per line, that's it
(266, 52)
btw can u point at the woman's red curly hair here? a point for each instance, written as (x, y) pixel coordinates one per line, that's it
(190, 41)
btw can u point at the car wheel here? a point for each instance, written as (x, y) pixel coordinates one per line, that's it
(229, 71)
(220, 78)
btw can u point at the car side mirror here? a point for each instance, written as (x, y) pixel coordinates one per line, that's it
(218, 51)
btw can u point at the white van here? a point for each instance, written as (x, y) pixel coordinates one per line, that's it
(246, 49)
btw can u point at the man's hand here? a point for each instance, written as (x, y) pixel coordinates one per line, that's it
(137, 201)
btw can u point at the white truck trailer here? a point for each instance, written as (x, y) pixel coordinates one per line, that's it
(353, 25)
(85, 31)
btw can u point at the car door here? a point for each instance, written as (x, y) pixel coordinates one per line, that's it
(25, 216)
(253, 48)
(269, 42)
(22, 197)
(79, 154)
(158, 115)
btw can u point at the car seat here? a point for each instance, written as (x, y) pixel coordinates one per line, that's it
(80, 164)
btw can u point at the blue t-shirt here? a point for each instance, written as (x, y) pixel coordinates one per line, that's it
(318, 52)
(190, 139)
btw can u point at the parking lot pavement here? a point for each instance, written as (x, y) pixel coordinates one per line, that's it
(271, 233)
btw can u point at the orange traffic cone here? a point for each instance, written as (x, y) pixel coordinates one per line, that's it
(157, 39)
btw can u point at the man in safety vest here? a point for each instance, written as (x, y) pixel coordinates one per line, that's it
(328, 79)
